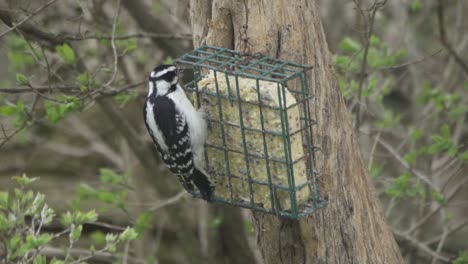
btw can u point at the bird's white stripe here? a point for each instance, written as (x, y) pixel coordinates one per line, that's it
(154, 128)
(161, 73)
(151, 88)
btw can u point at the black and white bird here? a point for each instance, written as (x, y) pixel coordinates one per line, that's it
(177, 129)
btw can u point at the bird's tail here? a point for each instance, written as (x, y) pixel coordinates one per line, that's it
(204, 185)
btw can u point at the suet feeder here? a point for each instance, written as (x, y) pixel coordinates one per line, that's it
(259, 149)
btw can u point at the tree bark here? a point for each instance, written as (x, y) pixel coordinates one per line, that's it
(352, 228)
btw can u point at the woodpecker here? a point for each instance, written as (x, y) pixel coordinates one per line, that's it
(179, 132)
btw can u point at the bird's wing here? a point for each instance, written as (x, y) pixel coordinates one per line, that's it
(178, 156)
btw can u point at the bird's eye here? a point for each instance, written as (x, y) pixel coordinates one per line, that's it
(179, 71)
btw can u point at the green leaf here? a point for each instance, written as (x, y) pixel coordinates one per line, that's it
(18, 52)
(128, 46)
(75, 232)
(464, 156)
(411, 157)
(84, 80)
(452, 150)
(416, 135)
(370, 87)
(416, 6)
(14, 242)
(57, 261)
(67, 53)
(39, 259)
(66, 219)
(8, 109)
(4, 200)
(106, 197)
(4, 223)
(457, 112)
(374, 40)
(42, 240)
(25, 247)
(389, 120)
(99, 238)
(56, 111)
(350, 46)
(111, 240)
(22, 79)
(402, 187)
(341, 61)
(375, 171)
(168, 60)
(123, 98)
(462, 258)
(449, 217)
(144, 222)
(439, 198)
(25, 180)
(88, 217)
(85, 191)
(131, 45)
(110, 177)
(445, 130)
(128, 234)
(18, 110)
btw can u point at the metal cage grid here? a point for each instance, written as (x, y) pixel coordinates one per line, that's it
(224, 63)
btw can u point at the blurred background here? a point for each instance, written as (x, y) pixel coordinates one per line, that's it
(72, 86)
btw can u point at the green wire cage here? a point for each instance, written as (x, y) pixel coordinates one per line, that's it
(260, 147)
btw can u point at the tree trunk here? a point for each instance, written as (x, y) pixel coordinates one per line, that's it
(351, 229)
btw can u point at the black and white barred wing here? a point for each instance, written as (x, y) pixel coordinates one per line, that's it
(172, 138)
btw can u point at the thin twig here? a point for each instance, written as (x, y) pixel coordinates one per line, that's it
(363, 73)
(444, 39)
(169, 201)
(439, 206)
(450, 232)
(68, 89)
(10, 136)
(405, 164)
(441, 244)
(114, 48)
(420, 246)
(35, 12)
(129, 36)
(409, 63)
(374, 146)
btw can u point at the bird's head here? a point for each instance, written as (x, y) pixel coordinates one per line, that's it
(164, 79)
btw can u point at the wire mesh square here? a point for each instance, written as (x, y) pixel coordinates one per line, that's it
(260, 148)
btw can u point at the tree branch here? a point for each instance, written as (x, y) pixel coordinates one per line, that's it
(129, 36)
(420, 246)
(70, 89)
(154, 24)
(97, 256)
(53, 40)
(13, 25)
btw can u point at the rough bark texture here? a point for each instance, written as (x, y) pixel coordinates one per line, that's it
(351, 229)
